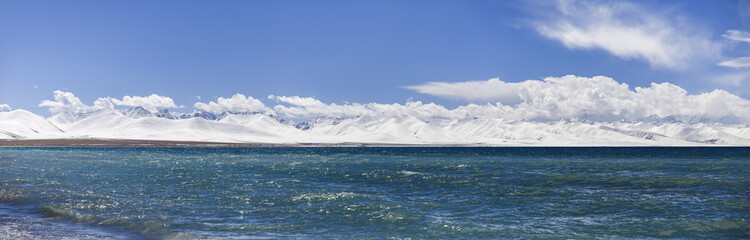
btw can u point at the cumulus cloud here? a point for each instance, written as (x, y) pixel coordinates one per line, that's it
(626, 30)
(603, 99)
(151, 103)
(554, 98)
(379, 110)
(5, 108)
(297, 101)
(308, 107)
(237, 103)
(492, 90)
(103, 103)
(569, 97)
(68, 102)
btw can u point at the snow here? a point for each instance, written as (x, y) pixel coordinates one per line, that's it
(20, 124)
(139, 123)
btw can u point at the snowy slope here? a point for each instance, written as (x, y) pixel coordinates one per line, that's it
(119, 125)
(500, 132)
(22, 124)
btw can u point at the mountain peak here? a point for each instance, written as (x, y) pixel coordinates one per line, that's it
(136, 112)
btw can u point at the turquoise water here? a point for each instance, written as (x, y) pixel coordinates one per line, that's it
(228, 192)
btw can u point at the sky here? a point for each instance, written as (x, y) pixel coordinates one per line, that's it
(234, 55)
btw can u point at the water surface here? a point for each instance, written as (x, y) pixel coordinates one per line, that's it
(233, 192)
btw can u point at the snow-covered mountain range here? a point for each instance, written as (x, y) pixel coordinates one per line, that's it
(555, 111)
(258, 127)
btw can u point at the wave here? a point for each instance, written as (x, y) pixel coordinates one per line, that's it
(325, 197)
(146, 228)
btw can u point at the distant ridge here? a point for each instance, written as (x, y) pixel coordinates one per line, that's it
(137, 123)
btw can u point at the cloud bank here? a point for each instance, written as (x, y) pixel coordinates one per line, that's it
(151, 103)
(571, 98)
(492, 90)
(68, 102)
(564, 98)
(237, 103)
(627, 30)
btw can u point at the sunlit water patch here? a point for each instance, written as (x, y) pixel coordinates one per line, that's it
(226, 192)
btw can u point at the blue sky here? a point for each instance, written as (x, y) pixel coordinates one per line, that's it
(356, 51)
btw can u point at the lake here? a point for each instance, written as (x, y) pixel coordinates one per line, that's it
(374, 192)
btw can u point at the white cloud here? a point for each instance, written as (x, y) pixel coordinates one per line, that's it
(492, 90)
(628, 31)
(297, 101)
(554, 98)
(35, 86)
(103, 103)
(741, 62)
(68, 102)
(5, 108)
(151, 103)
(308, 107)
(737, 35)
(237, 103)
(395, 110)
(604, 99)
(312, 111)
(741, 76)
(569, 98)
